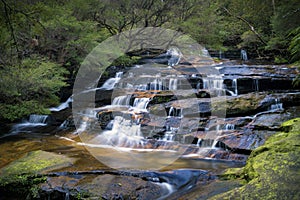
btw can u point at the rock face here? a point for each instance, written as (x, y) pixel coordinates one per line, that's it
(198, 110)
(272, 170)
(232, 109)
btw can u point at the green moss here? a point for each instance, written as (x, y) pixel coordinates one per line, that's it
(232, 173)
(126, 60)
(22, 176)
(272, 170)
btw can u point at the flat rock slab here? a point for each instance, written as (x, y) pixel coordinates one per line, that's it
(36, 162)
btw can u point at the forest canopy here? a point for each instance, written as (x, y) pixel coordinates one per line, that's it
(42, 43)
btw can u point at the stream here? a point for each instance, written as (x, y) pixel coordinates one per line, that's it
(158, 129)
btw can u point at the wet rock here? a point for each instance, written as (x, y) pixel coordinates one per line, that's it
(270, 121)
(272, 171)
(239, 106)
(20, 178)
(121, 184)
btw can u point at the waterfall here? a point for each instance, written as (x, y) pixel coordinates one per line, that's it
(38, 119)
(234, 85)
(175, 56)
(244, 55)
(256, 85)
(207, 143)
(199, 142)
(122, 100)
(83, 127)
(173, 82)
(141, 103)
(157, 84)
(220, 54)
(110, 83)
(214, 83)
(214, 144)
(277, 105)
(160, 84)
(124, 133)
(62, 106)
(34, 120)
(169, 136)
(229, 127)
(174, 112)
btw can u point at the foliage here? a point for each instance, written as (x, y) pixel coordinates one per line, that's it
(23, 176)
(294, 46)
(126, 61)
(272, 170)
(64, 32)
(29, 87)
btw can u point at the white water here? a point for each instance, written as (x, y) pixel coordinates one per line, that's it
(38, 119)
(173, 83)
(110, 83)
(244, 55)
(175, 112)
(124, 133)
(229, 127)
(175, 56)
(33, 121)
(169, 189)
(141, 103)
(214, 83)
(234, 85)
(122, 100)
(277, 105)
(62, 106)
(160, 84)
(213, 146)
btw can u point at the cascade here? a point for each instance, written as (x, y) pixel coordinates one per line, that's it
(38, 119)
(157, 84)
(110, 83)
(141, 103)
(122, 100)
(175, 56)
(234, 85)
(229, 127)
(34, 120)
(199, 142)
(214, 83)
(244, 55)
(173, 83)
(62, 106)
(124, 133)
(214, 144)
(256, 85)
(220, 54)
(207, 143)
(83, 127)
(277, 105)
(168, 136)
(174, 112)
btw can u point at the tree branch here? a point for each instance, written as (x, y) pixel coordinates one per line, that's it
(249, 25)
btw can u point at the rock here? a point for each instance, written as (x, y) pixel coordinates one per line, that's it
(20, 178)
(272, 170)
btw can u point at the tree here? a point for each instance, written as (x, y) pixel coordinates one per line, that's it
(29, 87)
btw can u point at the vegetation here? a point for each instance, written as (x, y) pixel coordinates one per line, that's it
(22, 177)
(48, 40)
(272, 170)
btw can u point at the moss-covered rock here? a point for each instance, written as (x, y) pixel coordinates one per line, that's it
(272, 170)
(21, 177)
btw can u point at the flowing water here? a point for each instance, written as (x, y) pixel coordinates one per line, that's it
(164, 118)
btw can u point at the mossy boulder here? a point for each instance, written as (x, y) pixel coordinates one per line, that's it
(272, 170)
(21, 177)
